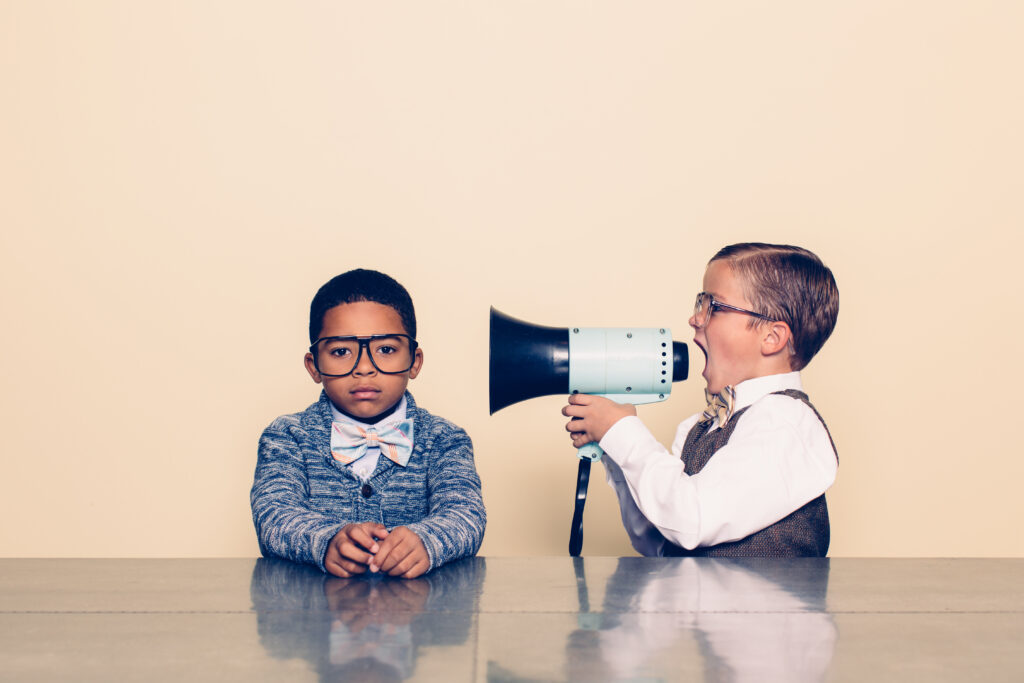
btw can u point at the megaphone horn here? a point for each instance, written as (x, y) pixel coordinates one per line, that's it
(526, 360)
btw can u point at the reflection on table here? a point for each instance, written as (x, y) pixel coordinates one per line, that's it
(748, 620)
(367, 628)
(514, 619)
(751, 620)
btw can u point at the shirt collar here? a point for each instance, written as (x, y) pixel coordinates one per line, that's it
(753, 390)
(399, 414)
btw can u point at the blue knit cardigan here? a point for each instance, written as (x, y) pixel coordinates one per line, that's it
(301, 496)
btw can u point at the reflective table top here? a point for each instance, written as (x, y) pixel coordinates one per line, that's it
(515, 619)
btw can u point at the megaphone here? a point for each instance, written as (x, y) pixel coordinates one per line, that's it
(626, 364)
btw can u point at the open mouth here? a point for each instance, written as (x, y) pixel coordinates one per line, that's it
(705, 352)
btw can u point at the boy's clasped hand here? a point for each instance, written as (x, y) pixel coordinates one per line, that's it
(369, 546)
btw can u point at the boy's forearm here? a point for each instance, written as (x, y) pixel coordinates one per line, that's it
(296, 534)
(455, 525)
(285, 524)
(453, 534)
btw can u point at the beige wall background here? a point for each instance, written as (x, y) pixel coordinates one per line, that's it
(179, 178)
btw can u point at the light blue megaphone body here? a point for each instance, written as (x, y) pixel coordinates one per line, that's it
(624, 364)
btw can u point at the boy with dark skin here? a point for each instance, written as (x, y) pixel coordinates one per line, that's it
(364, 479)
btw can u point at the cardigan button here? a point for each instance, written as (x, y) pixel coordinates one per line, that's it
(367, 491)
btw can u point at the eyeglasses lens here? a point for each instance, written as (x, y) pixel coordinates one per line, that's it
(702, 309)
(388, 354)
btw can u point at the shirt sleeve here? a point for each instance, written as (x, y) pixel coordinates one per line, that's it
(778, 458)
(286, 525)
(454, 526)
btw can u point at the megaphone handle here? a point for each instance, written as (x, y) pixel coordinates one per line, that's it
(576, 531)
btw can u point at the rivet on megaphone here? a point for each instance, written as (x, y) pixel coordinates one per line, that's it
(629, 335)
(629, 388)
(575, 330)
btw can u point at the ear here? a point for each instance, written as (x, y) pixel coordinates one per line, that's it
(776, 339)
(311, 368)
(417, 363)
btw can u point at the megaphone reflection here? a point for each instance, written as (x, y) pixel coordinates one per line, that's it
(624, 364)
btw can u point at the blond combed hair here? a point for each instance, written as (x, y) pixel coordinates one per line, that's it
(789, 284)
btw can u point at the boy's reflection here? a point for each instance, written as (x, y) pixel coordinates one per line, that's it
(750, 620)
(362, 629)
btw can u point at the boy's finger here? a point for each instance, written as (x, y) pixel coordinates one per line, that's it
(404, 546)
(384, 555)
(418, 569)
(577, 425)
(336, 570)
(342, 567)
(364, 537)
(400, 568)
(411, 567)
(404, 556)
(355, 553)
(377, 530)
(581, 399)
(353, 568)
(580, 439)
(573, 410)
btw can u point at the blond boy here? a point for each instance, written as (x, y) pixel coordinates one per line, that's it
(747, 476)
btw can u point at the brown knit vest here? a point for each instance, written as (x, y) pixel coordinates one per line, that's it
(803, 533)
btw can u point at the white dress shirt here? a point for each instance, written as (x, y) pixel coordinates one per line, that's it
(778, 458)
(365, 466)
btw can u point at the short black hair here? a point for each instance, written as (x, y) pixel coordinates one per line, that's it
(361, 285)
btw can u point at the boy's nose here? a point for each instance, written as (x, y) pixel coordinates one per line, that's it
(692, 321)
(365, 366)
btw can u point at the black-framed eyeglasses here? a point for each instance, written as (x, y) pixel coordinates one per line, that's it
(390, 354)
(706, 305)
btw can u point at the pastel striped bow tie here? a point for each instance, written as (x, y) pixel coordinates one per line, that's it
(349, 442)
(720, 405)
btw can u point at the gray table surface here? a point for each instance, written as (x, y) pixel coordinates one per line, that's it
(515, 619)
